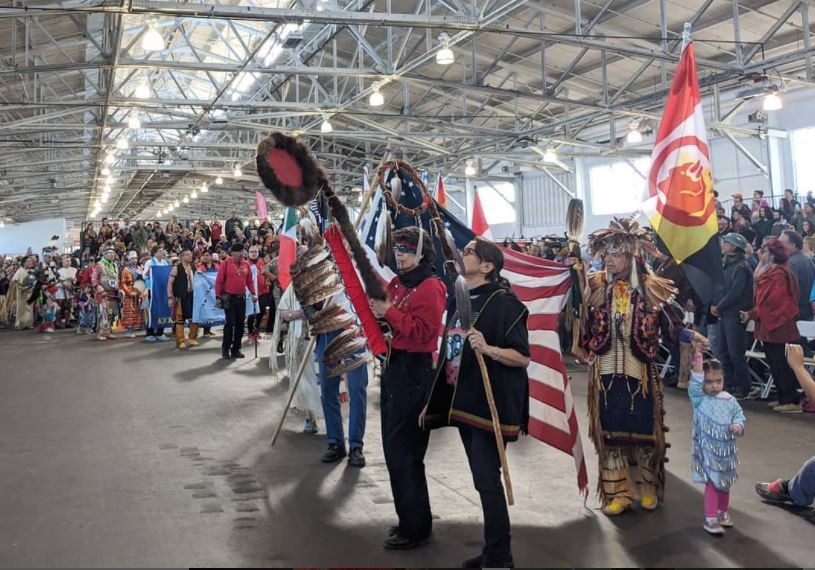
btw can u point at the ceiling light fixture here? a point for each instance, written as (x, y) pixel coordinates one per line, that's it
(134, 122)
(205, 188)
(634, 136)
(376, 99)
(176, 204)
(469, 169)
(143, 91)
(326, 127)
(237, 173)
(186, 200)
(110, 159)
(445, 55)
(152, 39)
(772, 102)
(218, 181)
(194, 195)
(122, 143)
(105, 171)
(550, 156)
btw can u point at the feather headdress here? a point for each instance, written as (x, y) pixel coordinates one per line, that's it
(625, 235)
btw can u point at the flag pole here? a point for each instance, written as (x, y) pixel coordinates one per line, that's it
(310, 348)
(686, 39)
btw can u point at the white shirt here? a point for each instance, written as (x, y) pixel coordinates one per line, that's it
(63, 274)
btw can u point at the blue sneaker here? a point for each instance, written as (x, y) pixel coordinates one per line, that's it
(150, 338)
(310, 426)
(164, 338)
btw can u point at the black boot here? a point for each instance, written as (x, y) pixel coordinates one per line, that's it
(356, 457)
(225, 354)
(334, 453)
(238, 354)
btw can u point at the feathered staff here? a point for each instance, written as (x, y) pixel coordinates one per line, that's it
(294, 176)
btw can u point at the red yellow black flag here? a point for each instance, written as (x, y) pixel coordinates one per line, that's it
(680, 203)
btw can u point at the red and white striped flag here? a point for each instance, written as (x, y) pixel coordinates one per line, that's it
(543, 286)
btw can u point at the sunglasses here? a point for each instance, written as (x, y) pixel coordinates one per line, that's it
(399, 248)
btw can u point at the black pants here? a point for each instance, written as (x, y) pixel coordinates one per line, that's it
(485, 464)
(405, 383)
(233, 329)
(253, 321)
(732, 346)
(155, 331)
(785, 381)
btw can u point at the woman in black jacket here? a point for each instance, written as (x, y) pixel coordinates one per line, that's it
(499, 332)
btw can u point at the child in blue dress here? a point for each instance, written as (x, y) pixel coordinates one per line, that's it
(717, 420)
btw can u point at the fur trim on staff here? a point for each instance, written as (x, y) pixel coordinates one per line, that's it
(298, 188)
(300, 192)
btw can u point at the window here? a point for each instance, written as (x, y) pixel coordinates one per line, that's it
(617, 188)
(803, 145)
(496, 200)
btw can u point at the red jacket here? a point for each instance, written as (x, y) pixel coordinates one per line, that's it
(263, 284)
(776, 306)
(215, 229)
(416, 314)
(234, 279)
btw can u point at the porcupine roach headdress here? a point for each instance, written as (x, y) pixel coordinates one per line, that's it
(625, 235)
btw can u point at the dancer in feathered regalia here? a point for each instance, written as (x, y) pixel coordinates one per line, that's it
(624, 304)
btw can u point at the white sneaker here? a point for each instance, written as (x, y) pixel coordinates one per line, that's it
(713, 526)
(725, 519)
(164, 338)
(150, 338)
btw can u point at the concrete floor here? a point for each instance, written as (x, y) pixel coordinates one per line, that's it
(129, 454)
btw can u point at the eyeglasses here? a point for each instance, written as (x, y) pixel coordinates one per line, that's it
(403, 249)
(468, 251)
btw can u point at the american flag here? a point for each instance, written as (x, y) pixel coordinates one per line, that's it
(543, 286)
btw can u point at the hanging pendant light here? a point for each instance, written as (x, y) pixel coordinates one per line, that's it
(445, 55)
(134, 122)
(152, 39)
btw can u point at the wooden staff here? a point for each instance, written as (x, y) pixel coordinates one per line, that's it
(313, 340)
(465, 315)
(496, 427)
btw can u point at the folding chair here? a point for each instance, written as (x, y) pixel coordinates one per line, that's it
(765, 386)
(663, 362)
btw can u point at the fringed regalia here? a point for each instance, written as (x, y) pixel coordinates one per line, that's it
(714, 454)
(619, 335)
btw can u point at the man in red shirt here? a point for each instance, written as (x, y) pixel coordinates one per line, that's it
(265, 299)
(234, 277)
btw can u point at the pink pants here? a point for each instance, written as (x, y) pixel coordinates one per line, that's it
(715, 500)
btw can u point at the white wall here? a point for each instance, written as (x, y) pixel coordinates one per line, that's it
(17, 238)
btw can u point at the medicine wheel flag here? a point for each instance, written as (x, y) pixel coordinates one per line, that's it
(680, 203)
